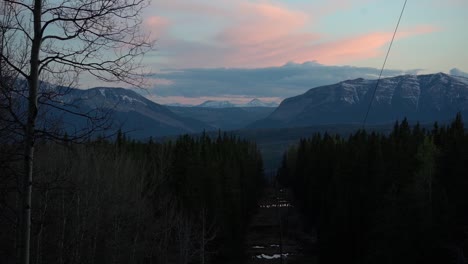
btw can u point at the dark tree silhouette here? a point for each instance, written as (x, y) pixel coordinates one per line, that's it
(54, 42)
(385, 198)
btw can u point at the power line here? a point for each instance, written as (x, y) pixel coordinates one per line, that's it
(383, 66)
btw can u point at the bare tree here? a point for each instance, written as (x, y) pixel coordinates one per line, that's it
(208, 233)
(56, 41)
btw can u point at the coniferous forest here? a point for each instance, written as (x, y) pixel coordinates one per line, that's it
(378, 198)
(397, 197)
(121, 201)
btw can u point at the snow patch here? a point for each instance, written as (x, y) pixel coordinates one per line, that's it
(460, 79)
(281, 205)
(275, 256)
(258, 103)
(131, 100)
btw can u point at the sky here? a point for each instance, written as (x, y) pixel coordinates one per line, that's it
(242, 49)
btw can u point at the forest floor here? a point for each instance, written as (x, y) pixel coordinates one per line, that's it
(277, 229)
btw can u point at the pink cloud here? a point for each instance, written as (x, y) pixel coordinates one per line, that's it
(262, 33)
(258, 32)
(360, 47)
(270, 53)
(266, 33)
(157, 25)
(257, 23)
(302, 48)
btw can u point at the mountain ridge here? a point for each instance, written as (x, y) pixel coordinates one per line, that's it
(422, 98)
(133, 112)
(227, 104)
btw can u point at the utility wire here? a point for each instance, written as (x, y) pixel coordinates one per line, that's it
(383, 66)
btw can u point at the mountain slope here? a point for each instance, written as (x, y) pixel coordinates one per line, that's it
(132, 112)
(224, 118)
(424, 98)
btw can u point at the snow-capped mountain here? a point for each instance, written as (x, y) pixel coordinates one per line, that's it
(424, 98)
(227, 104)
(179, 105)
(259, 103)
(216, 104)
(130, 111)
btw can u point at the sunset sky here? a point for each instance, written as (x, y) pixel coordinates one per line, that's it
(239, 49)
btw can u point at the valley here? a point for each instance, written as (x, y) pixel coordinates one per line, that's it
(244, 184)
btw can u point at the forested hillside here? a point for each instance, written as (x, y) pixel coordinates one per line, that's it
(374, 198)
(186, 201)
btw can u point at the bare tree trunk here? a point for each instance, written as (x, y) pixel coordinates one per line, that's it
(18, 237)
(140, 204)
(208, 233)
(96, 232)
(64, 225)
(26, 190)
(203, 243)
(26, 193)
(80, 230)
(100, 26)
(115, 244)
(135, 243)
(41, 229)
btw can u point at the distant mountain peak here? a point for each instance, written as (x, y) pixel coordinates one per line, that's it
(216, 104)
(305, 64)
(259, 103)
(227, 104)
(458, 72)
(255, 102)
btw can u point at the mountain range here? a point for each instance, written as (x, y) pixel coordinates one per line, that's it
(141, 118)
(130, 111)
(227, 104)
(259, 103)
(423, 98)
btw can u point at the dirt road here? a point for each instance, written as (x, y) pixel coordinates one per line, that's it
(276, 234)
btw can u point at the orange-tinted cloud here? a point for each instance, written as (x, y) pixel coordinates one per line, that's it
(157, 25)
(266, 33)
(257, 23)
(360, 47)
(302, 48)
(262, 33)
